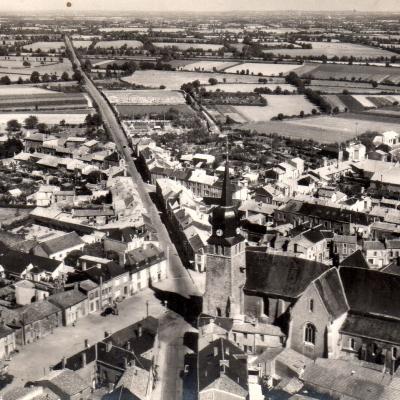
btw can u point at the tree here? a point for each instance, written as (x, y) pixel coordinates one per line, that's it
(13, 125)
(65, 76)
(45, 77)
(5, 80)
(35, 77)
(72, 258)
(31, 122)
(212, 81)
(77, 75)
(42, 127)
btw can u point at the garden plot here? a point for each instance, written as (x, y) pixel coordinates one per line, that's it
(248, 87)
(116, 44)
(263, 69)
(335, 102)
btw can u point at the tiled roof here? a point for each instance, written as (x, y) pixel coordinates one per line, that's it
(67, 299)
(67, 382)
(61, 243)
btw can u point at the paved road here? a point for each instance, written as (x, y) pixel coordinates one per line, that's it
(180, 280)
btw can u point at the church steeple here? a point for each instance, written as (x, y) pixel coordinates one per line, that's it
(226, 199)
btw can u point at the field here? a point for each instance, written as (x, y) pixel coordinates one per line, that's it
(45, 46)
(124, 29)
(14, 68)
(187, 46)
(263, 68)
(247, 87)
(175, 79)
(285, 104)
(359, 103)
(16, 90)
(208, 66)
(347, 72)
(144, 97)
(130, 111)
(74, 117)
(116, 44)
(334, 49)
(84, 44)
(325, 129)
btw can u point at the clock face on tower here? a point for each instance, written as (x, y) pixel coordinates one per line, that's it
(219, 232)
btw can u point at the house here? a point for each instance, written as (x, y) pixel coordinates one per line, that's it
(66, 384)
(7, 341)
(222, 372)
(356, 152)
(73, 303)
(30, 393)
(16, 264)
(92, 292)
(58, 248)
(375, 253)
(356, 259)
(390, 138)
(311, 245)
(344, 245)
(27, 292)
(317, 316)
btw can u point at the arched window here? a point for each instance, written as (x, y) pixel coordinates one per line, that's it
(309, 333)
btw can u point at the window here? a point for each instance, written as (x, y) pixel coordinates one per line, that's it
(245, 335)
(311, 305)
(262, 337)
(352, 344)
(234, 337)
(309, 333)
(394, 352)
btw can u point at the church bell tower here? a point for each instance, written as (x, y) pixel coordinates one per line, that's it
(225, 262)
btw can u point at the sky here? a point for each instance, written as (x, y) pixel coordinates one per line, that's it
(200, 5)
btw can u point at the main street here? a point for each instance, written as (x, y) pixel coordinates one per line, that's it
(180, 280)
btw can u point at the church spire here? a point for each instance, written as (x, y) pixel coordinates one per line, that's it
(226, 199)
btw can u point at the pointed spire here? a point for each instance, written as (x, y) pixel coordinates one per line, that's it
(226, 200)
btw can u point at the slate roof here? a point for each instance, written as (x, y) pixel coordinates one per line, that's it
(61, 243)
(15, 262)
(387, 330)
(332, 294)
(211, 376)
(371, 292)
(355, 260)
(37, 311)
(314, 235)
(106, 272)
(279, 275)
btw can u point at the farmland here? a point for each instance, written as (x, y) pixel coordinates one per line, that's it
(334, 49)
(187, 46)
(285, 104)
(74, 117)
(144, 97)
(175, 79)
(132, 111)
(325, 129)
(263, 68)
(116, 44)
(208, 66)
(359, 103)
(348, 72)
(84, 44)
(45, 46)
(248, 87)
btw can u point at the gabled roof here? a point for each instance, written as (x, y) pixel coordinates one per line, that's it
(105, 272)
(61, 243)
(280, 275)
(371, 292)
(332, 294)
(67, 299)
(355, 260)
(15, 262)
(222, 368)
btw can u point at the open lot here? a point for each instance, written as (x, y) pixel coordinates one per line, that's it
(130, 111)
(45, 46)
(348, 72)
(22, 90)
(187, 46)
(175, 79)
(334, 49)
(116, 44)
(325, 129)
(144, 97)
(263, 68)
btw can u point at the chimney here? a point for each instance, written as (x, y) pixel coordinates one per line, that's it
(140, 330)
(83, 359)
(86, 343)
(106, 334)
(126, 365)
(108, 346)
(64, 362)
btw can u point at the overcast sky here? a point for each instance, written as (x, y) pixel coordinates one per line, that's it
(201, 5)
